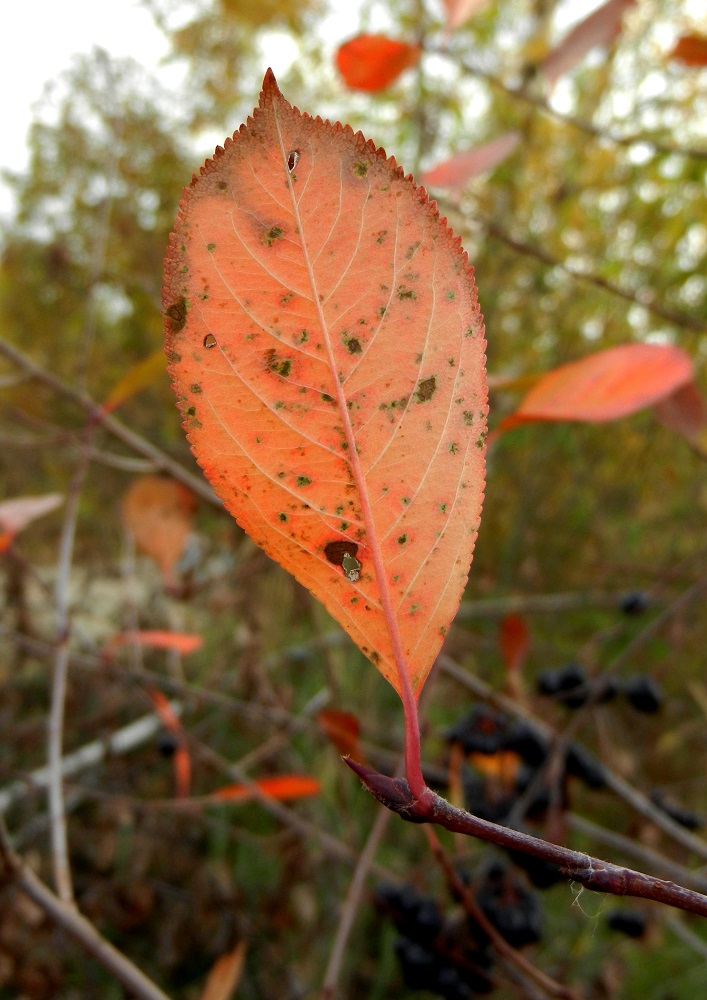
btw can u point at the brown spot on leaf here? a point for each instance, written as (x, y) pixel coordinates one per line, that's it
(272, 234)
(426, 389)
(209, 340)
(177, 315)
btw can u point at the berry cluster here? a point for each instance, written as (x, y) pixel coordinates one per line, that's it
(448, 953)
(572, 687)
(502, 759)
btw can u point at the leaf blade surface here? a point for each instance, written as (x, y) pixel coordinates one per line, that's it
(326, 346)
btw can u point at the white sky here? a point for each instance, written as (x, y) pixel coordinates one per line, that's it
(41, 36)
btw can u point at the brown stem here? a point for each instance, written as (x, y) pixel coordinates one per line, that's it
(592, 873)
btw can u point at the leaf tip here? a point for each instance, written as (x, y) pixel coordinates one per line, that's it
(270, 88)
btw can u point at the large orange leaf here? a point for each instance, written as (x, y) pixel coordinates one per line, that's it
(372, 62)
(606, 385)
(326, 347)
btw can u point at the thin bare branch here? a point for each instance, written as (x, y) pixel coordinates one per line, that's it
(530, 604)
(76, 926)
(110, 423)
(602, 134)
(673, 316)
(59, 837)
(351, 904)
(122, 741)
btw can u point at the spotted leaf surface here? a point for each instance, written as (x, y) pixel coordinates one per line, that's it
(326, 347)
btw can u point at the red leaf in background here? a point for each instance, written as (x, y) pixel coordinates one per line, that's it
(606, 385)
(181, 759)
(158, 513)
(685, 412)
(690, 50)
(283, 786)
(326, 348)
(514, 639)
(342, 729)
(372, 62)
(181, 642)
(459, 11)
(225, 974)
(17, 513)
(459, 169)
(600, 28)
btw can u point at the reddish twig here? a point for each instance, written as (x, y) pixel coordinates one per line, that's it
(592, 873)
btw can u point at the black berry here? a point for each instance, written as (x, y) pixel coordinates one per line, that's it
(643, 693)
(628, 922)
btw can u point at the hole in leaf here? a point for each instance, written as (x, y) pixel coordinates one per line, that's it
(343, 553)
(209, 340)
(292, 158)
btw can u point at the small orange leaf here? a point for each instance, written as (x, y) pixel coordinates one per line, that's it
(225, 974)
(342, 729)
(158, 512)
(685, 411)
(514, 638)
(326, 348)
(182, 771)
(601, 27)
(690, 50)
(284, 786)
(459, 169)
(606, 385)
(372, 62)
(137, 378)
(459, 11)
(163, 707)
(181, 642)
(17, 513)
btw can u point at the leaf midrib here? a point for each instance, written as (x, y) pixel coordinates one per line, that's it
(352, 457)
